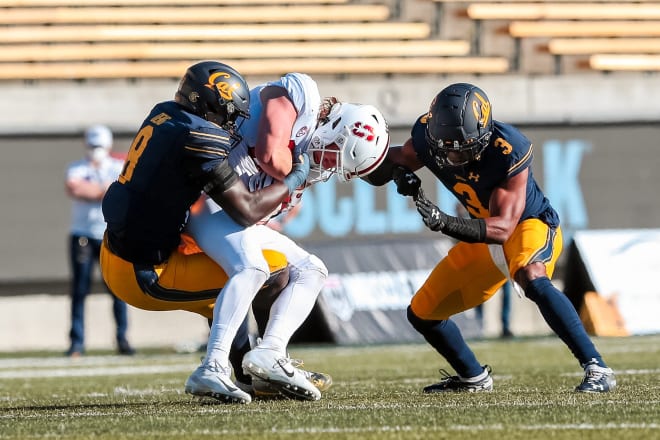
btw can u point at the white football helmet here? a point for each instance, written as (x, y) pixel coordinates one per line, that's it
(351, 142)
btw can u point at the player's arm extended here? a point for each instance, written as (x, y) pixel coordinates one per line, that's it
(506, 205)
(248, 208)
(397, 157)
(274, 132)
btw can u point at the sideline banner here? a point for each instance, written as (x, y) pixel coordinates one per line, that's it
(622, 265)
(370, 286)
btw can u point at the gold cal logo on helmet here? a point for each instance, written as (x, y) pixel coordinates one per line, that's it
(223, 87)
(429, 115)
(481, 112)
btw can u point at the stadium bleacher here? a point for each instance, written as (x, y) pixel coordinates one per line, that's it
(59, 39)
(76, 39)
(526, 29)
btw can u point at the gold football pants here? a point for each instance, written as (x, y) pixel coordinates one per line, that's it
(189, 282)
(468, 275)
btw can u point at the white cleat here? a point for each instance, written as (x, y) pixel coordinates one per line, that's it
(276, 369)
(215, 381)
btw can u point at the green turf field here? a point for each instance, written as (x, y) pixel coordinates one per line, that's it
(376, 396)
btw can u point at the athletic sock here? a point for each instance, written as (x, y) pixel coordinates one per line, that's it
(446, 338)
(563, 319)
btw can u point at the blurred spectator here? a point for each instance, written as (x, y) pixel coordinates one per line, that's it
(87, 180)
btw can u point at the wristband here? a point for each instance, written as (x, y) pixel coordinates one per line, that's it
(465, 229)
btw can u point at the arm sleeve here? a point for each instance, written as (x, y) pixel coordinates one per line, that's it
(381, 175)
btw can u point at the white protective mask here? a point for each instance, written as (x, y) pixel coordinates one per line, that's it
(98, 154)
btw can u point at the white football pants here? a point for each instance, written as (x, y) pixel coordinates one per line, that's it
(238, 250)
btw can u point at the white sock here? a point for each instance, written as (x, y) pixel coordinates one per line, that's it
(292, 307)
(480, 377)
(230, 310)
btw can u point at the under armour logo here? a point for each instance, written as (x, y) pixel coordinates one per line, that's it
(473, 176)
(435, 215)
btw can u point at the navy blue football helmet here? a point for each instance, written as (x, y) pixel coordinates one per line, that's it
(215, 92)
(459, 125)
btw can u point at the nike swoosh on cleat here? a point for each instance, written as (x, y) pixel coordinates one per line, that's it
(288, 373)
(230, 386)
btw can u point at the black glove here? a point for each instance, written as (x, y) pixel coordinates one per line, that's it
(299, 173)
(407, 182)
(433, 217)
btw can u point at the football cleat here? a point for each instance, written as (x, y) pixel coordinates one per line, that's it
(597, 379)
(449, 383)
(215, 381)
(322, 381)
(278, 371)
(265, 390)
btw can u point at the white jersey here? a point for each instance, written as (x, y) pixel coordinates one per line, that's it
(304, 94)
(86, 216)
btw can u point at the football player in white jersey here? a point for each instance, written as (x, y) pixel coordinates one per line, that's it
(287, 117)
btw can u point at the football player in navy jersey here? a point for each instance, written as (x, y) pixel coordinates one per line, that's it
(513, 232)
(180, 151)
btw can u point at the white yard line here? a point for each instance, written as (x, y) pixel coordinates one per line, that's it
(90, 366)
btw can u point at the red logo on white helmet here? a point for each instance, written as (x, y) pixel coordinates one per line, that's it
(363, 131)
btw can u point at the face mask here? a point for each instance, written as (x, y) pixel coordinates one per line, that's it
(97, 154)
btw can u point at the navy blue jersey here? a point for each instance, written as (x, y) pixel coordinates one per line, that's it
(508, 153)
(172, 158)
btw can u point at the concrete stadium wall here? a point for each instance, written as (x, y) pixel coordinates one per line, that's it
(41, 322)
(67, 107)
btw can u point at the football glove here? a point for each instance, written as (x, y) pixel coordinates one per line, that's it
(407, 182)
(433, 217)
(299, 172)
